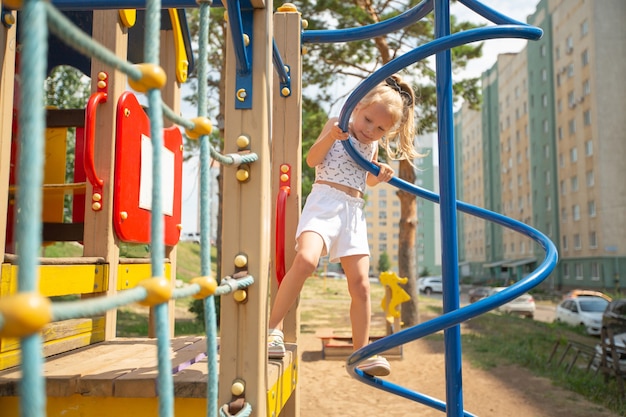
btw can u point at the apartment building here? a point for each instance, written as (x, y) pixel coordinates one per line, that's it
(553, 136)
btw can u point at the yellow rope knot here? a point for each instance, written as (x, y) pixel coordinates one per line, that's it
(201, 126)
(159, 291)
(24, 314)
(208, 285)
(152, 76)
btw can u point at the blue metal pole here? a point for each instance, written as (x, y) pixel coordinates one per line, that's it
(447, 207)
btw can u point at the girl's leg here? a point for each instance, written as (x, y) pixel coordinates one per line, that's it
(310, 246)
(356, 268)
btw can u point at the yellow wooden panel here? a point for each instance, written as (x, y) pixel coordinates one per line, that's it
(58, 337)
(80, 406)
(128, 275)
(280, 392)
(55, 280)
(54, 173)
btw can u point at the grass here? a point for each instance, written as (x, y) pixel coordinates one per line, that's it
(491, 340)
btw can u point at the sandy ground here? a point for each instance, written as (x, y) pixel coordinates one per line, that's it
(326, 389)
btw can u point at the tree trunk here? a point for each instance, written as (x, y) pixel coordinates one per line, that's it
(407, 265)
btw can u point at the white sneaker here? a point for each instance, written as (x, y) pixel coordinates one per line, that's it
(275, 344)
(375, 366)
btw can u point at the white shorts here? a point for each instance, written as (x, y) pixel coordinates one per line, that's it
(338, 218)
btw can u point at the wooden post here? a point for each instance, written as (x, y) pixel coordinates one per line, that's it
(246, 223)
(8, 42)
(99, 236)
(287, 149)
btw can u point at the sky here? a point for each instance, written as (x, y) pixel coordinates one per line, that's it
(516, 9)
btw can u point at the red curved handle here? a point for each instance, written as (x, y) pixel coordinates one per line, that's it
(90, 134)
(281, 203)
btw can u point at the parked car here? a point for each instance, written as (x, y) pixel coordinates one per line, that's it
(478, 293)
(332, 275)
(614, 316)
(429, 285)
(585, 293)
(620, 350)
(524, 305)
(582, 311)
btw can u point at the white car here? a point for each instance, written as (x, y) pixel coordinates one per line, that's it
(429, 285)
(582, 311)
(524, 305)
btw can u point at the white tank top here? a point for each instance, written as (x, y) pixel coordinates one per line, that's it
(339, 167)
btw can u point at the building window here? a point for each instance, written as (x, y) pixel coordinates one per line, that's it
(593, 240)
(560, 132)
(564, 242)
(566, 271)
(382, 192)
(587, 118)
(584, 58)
(561, 160)
(595, 271)
(563, 188)
(546, 126)
(548, 176)
(590, 179)
(588, 148)
(574, 183)
(586, 88)
(382, 215)
(544, 75)
(382, 204)
(576, 212)
(570, 70)
(573, 155)
(577, 244)
(382, 236)
(543, 50)
(584, 28)
(571, 100)
(579, 271)
(544, 100)
(569, 44)
(591, 208)
(572, 126)
(548, 203)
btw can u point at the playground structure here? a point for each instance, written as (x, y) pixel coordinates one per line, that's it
(185, 376)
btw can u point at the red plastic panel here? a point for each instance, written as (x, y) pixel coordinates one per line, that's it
(132, 199)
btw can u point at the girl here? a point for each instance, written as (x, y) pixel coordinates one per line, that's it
(332, 221)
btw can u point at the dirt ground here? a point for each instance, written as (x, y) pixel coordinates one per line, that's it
(326, 389)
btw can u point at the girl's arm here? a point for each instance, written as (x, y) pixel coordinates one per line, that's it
(330, 133)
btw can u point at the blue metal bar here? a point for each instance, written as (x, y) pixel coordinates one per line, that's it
(455, 315)
(281, 70)
(431, 48)
(490, 14)
(236, 32)
(447, 208)
(370, 31)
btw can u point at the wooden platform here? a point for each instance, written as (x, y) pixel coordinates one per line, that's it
(119, 378)
(336, 343)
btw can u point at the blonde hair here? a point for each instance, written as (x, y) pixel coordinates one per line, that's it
(399, 98)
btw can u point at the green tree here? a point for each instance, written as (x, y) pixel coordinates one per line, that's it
(384, 264)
